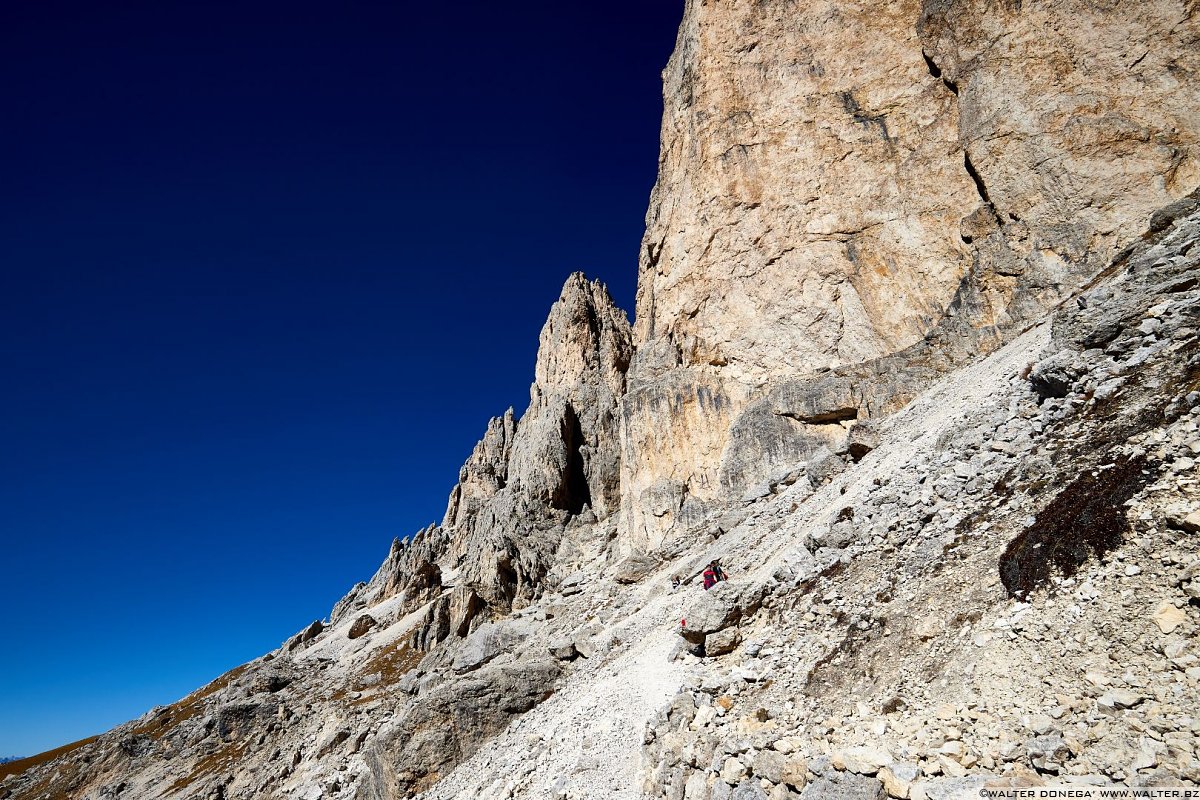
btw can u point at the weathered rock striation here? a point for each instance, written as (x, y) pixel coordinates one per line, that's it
(916, 355)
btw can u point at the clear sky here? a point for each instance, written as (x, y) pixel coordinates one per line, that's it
(266, 270)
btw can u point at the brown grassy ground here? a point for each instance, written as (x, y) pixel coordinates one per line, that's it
(16, 767)
(163, 722)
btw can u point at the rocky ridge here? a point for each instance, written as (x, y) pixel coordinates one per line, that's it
(914, 368)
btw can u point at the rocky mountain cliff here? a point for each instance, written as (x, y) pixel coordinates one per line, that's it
(878, 191)
(915, 354)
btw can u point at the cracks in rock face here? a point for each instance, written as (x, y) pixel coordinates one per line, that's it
(934, 69)
(852, 252)
(687, 87)
(980, 186)
(741, 149)
(829, 417)
(781, 254)
(936, 72)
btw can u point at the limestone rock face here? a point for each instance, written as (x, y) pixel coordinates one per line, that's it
(569, 459)
(789, 135)
(839, 183)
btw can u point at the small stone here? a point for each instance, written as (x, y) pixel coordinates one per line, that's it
(1119, 698)
(1168, 617)
(928, 628)
(696, 786)
(795, 772)
(1149, 326)
(1185, 521)
(1041, 725)
(768, 764)
(946, 712)
(1145, 759)
(781, 792)
(898, 779)
(703, 717)
(564, 649)
(951, 767)
(733, 771)
(864, 760)
(1048, 753)
(722, 642)
(748, 791)
(954, 749)
(846, 787)
(1108, 388)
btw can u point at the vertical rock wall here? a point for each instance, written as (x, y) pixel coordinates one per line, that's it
(841, 182)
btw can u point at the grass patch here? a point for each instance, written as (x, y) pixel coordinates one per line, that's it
(223, 759)
(393, 662)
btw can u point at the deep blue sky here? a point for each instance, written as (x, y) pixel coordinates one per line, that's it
(266, 270)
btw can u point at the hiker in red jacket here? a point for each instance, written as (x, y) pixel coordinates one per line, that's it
(712, 574)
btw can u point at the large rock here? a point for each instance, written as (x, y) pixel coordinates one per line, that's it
(1185, 520)
(748, 790)
(863, 760)
(453, 721)
(634, 568)
(779, 767)
(487, 642)
(362, 625)
(305, 636)
(722, 642)
(719, 608)
(845, 787)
